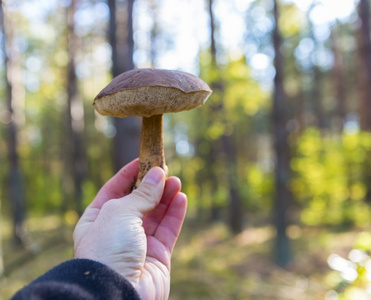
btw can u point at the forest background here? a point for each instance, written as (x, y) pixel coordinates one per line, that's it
(276, 164)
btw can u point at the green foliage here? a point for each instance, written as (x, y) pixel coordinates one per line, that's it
(258, 188)
(292, 20)
(328, 181)
(234, 111)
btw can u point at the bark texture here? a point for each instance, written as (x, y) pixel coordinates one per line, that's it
(15, 192)
(282, 169)
(73, 152)
(127, 139)
(364, 84)
(226, 143)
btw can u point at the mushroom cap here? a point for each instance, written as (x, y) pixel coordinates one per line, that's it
(149, 92)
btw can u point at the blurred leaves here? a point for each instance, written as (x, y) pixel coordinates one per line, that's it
(328, 180)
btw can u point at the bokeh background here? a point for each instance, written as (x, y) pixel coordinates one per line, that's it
(276, 164)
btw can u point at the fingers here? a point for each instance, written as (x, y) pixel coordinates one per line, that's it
(154, 217)
(148, 194)
(118, 186)
(168, 230)
(138, 203)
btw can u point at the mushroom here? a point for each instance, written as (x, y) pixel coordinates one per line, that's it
(149, 93)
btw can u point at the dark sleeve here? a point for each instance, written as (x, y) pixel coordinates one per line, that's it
(79, 279)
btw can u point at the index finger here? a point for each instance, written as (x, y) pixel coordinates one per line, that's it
(120, 185)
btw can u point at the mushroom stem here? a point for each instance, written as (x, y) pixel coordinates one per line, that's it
(151, 146)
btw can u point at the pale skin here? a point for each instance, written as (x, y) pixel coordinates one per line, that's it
(134, 233)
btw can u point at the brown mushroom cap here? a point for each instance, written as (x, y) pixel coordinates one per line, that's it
(149, 92)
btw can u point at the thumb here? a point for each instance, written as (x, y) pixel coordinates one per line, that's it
(148, 194)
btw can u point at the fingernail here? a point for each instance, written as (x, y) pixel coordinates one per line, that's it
(154, 176)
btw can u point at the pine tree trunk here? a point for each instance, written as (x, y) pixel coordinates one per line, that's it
(1, 239)
(15, 192)
(229, 152)
(364, 82)
(154, 33)
(212, 157)
(300, 108)
(339, 82)
(365, 64)
(127, 139)
(3, 49)
(316, 97)
(282, 170)
(74, 159)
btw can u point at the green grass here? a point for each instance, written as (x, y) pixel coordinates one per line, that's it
(208, 262)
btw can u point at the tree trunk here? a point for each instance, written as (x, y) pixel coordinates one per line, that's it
(300, 108)
(212, 34)
(317, 81)
(2, 32)
(127, 138)
(1, 240)
(365, 65)
(15, 190)
(339, 82)
(229, 157)
(74, 158)
(282, 169)
(212, 157)
(153, 5)
(364, 82)
(235, 206)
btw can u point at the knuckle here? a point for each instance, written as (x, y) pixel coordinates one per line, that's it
(144, 192)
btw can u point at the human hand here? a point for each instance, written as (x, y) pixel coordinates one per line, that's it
(134, 232)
